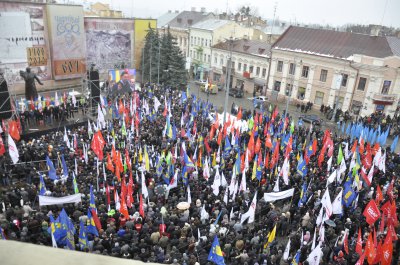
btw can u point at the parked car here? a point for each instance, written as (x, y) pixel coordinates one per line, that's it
(236, 93)
(260, 99)
(312, 118)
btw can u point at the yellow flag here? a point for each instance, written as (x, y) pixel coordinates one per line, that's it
(214, 161)
(298, 156)
(271, 237)
(146, 160)
(253, 175)
(140, 156)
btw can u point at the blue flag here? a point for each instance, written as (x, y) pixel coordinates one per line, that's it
(394, 144)
(303, 195)
(216, 253)
(83, 239)
(301, 167)
(349, 195)
(52, 170)
(64, 165)
(42, 186)
(188, 162)
(185, 178)
(228, 147)
(296, 259)
(91, 227)
(92, 202)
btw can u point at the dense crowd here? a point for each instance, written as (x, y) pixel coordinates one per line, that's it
(181, 128)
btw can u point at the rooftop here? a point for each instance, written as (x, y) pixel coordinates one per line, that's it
(166, 18)
(211, 24)
(253, 47)
(186, 19)
(335, 44)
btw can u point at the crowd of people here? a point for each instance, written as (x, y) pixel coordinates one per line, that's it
(177, 152)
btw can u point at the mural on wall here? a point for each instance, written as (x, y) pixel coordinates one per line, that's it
(109, 43)
(23, 28)
(67, 41)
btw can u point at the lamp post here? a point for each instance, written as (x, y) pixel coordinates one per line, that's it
(228, 69)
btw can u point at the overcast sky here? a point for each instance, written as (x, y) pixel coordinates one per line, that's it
(333, 12)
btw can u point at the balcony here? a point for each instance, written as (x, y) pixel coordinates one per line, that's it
(381, 99)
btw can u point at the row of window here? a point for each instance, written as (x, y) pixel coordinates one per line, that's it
(200, 56)
(244, 68)
(200, 41)
(181, 41)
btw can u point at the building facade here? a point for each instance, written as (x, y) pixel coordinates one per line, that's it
(249, 65)
(203, 36)
(358, 73)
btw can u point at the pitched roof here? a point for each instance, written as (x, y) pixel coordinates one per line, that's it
(333, 44)
(210, 24)
(394, 44)
(166, 18)
(186, 19)
(253, 47)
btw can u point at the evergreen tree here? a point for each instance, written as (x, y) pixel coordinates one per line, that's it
(150, 56)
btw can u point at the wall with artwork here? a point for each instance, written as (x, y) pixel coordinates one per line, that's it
(109, 43)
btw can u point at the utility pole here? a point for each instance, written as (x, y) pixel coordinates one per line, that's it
(158, 67)
(228, 69)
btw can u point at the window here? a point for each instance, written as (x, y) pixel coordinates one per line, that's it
(344, 80)
(221, 61)
(205, 58)
(215, 60)
(239, 66)
(191, 40)
(232, 65)
(301, 92)
(386, 87)
(185, 41)
(209, 58)
(202, 42)
(209, 43)
(277, 85)
(339, 102)
(264, 72)
(195, 40)
(190, 53)
(279, 67)
(292, 69)
(324, 74)
(362, 81)
(245, 67)
(251, 69)
(206, 42)
(304, 72)
(356, 107)
(257, 71)
(216, 77)
(319, 98)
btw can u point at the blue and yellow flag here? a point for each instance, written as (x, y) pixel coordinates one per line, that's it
(228, 147)
(52, 170)
(83, 239)
(188, 161)
(301, 167)
(349, 195)
(64, 166)
(42, 186)
(296, 259)
(91, 226)
(92, 203)
(303, 195)
(185, 178)
(216, 255)
(74, 183)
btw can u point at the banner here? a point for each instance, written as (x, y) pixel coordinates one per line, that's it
(37, 56)
(273, 196)
(46, 200)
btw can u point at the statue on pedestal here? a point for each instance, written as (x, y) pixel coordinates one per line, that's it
(30, 86)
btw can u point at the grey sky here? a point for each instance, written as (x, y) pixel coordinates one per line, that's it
(333, 12)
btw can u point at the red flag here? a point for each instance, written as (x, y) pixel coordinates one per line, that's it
(118, 173)
(268, 142)
(371, 212)
(121, 108)
(98, 144)
(274, 114)
(370, 250)
(367, 159)
(258, 145)
(220, 134)
(354, 147)
(239, 115)
(128, 159)
(364, 175)
(2, 149)
(390, 189)
(359, 242)
(314, 147)
(141, 209)
(212, 132)
(275, 156)
(250, 145)
(13, 130)
(123, 209)
(346, 243)
(110, 165)
(289, 147)
(387, 250)
(266, 160)
(361, 259)
(378, 256)
(361, 148)
(379, 195)
(208, 148)
(96, 219)
(129, 197)
(108, 195)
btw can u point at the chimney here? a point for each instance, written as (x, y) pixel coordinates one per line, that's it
(375, 30)
(203, 10)
(193, 9)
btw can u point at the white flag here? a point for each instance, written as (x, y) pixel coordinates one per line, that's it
(173, 183)
(276, 187)
(251, 213)
(204, 214)
(326, 202)
(144, 187)
(287, 250)
(156, 103)
(189, 199)
(377, 157)
(226, 196)
(315, 256)
(337, 204)
(224, 183)
(285, 171)
(243, 186)
(73, 98)
(66, 140)
(320, 215)
(371, 173)
(12, 149)
(346, 150)
(100, 118)
(117, 202)
(273, 196)
(90, 131)
(329, 163)
(382, 164)
(56, 102)
(331, 178)
(206, 169)
(53, 241)
(233, 182)
(216, 183)
(314, 239)
(341, 170)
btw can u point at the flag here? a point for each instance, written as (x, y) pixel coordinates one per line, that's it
(349, 195)
(217, 183)
(12, 149)
(216, 255)
(42, 186)
(340, 155)
(64, 166)
(296, 259)
(74, 183)
(92, 202)
(303, 195)
(301, 167)
(271, 237)
(91, 227)
(98, 144)
(2, 148)
(359, 243)
(326, 202)
(315, 256)
(287, 251)
(83, 239)
(52, 170)
(3, 236)
(251, 213)
(370, 250)
(387, 250)
(144, 187)
(337, 207)
(371, 212)
(13, 130)
(394, 144)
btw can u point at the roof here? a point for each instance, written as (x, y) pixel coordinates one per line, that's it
(186, 19)
(253, 47)
(394, 44)
(211, 24)
(334, 44)
(166, 18)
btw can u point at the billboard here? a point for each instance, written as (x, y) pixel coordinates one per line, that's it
(141, 27)
(23, 28)
(67, 38)
(109, 43)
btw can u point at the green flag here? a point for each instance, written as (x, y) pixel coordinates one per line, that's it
(340, 155)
